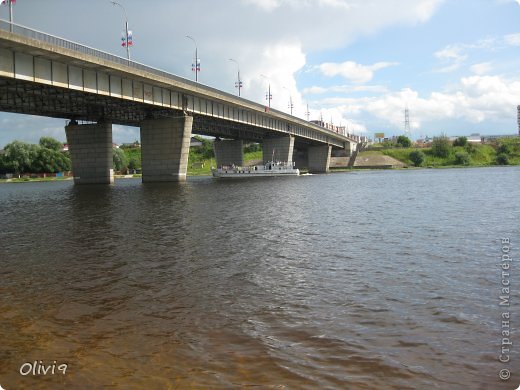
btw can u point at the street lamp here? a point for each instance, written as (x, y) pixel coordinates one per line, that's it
(195, 67)
(290, 105)
(268, 95)
(10, 3)
(238, 84)
(127, 39)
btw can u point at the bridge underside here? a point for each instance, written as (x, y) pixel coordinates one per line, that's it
(28, 97)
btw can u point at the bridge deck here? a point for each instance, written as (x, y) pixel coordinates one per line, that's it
(45, 75)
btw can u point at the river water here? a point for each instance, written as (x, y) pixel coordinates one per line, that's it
(362, 280)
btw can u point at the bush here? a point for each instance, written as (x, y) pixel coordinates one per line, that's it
(502, 159)
(462, 158)
(404, 141)
(441, 146)
(252, 147)
(417, 157)
(461, 141)
(504, 149)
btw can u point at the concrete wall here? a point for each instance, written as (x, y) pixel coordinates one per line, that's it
(319, 158)
(283, 148)
(229, 152)
(90, 148)
(165, 145)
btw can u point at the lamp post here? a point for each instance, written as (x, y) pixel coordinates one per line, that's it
(238, 84)
(127, 40)
(195, 67)
(268, 95)
(10, 3)
(290, 105)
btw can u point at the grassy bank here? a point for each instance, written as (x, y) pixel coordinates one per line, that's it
(504, 152)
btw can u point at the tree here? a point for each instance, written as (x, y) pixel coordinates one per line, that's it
(502, 159)
(119, 159)
(462, 158)
(441, 146)
(503, 149)
(417, 157)
(404, 141)
(19, 156)
(51, 161)
(461, 141)
(51, 143)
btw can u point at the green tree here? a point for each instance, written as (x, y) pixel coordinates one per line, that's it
(51, 161)
(504, 149)
(51, 143)
(462, 158)
(502, 159)
(461, 141)
(417, 157)
(404, 141)
(441, 146)
(19, 156)
(119, 159)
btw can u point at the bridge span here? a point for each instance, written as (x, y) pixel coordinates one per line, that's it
(44, 75)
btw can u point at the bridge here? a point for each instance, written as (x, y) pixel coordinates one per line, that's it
(44, 75)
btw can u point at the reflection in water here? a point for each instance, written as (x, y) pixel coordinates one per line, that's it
(360, 280)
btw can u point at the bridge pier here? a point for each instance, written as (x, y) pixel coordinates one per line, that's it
(319, 158)
(90, 148)
(229, 152)
(165, 145)
(282, 148)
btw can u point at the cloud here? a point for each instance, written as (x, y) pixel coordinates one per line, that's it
(477, 98)
(512, 39)
(316, 90)
(353, 71)
(482, 68)
(451, 57)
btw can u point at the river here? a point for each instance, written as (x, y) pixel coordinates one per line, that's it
(357, 280)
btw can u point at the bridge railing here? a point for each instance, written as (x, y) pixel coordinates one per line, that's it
(80, 48)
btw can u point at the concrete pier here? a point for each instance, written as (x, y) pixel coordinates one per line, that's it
(282, 148)
(319, 158)
(165, 145)
(90, 148)
(229, 152)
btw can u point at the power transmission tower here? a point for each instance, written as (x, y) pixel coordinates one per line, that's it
(407, 130)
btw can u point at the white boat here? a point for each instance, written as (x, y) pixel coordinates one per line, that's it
(268, 170)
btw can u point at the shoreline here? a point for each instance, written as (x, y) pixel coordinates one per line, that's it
(332, 170)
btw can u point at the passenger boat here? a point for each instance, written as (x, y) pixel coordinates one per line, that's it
(268, 170)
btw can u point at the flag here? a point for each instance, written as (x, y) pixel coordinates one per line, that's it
(123, 39)
(195, 68)
(8, 2)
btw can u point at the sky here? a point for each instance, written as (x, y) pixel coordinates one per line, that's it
(454, 64)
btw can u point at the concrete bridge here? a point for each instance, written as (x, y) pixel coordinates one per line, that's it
(44, 75)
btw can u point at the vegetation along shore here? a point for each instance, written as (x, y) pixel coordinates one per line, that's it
(49, 159)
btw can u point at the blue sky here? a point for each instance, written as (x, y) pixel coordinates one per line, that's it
(454, 63)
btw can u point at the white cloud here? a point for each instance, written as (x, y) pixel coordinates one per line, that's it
(353, 71)
(481, 69)
(316, 90)
(451, 57)
(512, 39)
(475, 99)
